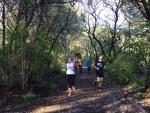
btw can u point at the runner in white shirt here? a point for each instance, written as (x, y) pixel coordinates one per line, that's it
(70, 76)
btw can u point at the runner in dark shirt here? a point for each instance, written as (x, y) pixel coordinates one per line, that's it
(99, 66)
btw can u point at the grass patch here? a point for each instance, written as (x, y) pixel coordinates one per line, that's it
(29, 96)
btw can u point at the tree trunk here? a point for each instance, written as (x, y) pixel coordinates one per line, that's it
(96, 53)
(4, 27)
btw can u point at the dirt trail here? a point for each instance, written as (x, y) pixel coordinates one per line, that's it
(86, 99)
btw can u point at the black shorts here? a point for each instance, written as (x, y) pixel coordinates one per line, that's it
(99, 74)
(71, 80)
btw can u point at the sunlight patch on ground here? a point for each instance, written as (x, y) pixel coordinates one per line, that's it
(146, 102)
(69, 105)
(126, 108)
(86, 100)
(55, 108)
(52, 108)
(112, 104)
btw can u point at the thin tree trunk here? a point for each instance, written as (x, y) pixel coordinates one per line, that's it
(96, 53)
(4, 27)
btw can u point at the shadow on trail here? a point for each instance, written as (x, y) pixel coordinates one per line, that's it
(89, 102)
(86, 99)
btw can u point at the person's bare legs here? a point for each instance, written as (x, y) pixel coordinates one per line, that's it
(73, 88)
(69, 92)
(99, 81)
(96, 82)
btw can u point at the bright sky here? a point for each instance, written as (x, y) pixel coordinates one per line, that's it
(105, 13)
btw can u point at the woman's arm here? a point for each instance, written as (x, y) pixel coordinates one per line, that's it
(96, 67)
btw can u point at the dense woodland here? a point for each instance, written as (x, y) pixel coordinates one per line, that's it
(37, 37)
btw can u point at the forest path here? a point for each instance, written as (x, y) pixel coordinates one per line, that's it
(86, 99)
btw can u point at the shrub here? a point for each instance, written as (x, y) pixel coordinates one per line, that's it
(137, 85)
(123, 69)
(29, 96)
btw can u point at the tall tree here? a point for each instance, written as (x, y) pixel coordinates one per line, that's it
(92, 13)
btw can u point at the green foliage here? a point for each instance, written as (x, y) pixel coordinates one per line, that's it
(47, 83)
(137, 84)
(44, 60)
(123, 69)
(140, 95)
(56, 69)
(29, 96)
(76, 52)
(57, 63)
(137, 87)
(42, 57)
(35, 42)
